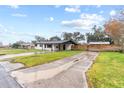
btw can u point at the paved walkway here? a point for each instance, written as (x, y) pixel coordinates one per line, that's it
(55, 75)
(6, 81)
(17, 55)
(8, 66)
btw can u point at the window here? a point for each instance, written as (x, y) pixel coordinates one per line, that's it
(49, 46)
(57, 47)
(41, 45)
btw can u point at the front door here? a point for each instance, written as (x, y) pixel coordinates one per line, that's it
(59, 47)
(64, 48)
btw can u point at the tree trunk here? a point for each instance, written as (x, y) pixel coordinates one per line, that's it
(122, 44)
(122, 47)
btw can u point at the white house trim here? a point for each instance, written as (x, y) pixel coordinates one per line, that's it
(55, 45)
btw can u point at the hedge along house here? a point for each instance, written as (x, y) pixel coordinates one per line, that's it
(55, 45)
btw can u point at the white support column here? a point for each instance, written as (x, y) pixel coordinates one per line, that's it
(53, 47)
(43, 47)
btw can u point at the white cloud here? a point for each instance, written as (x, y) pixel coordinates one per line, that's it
(101, 12)
(14, 6)
(73, 23)
(51, 19)
(4, 30)
(19, 15)
(86, 21)
(73, 9)
(93, 17)
(79, 24)
(112, 13)
(8, 35)
(57, 6)
(1, 26)
(98, 6)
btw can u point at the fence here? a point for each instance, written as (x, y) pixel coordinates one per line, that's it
(97, 47)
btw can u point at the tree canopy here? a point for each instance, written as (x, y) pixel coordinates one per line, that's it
(76, 36)
(98, 35)
(39, 38)
(55, 38)
(115, 28)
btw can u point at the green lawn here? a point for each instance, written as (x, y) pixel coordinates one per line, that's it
(107, 71)
(4, 51)
(38, 59)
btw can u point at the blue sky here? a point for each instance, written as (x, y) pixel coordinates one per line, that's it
(24, 22)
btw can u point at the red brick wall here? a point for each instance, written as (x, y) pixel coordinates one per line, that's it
(79, 47)
(100, 47)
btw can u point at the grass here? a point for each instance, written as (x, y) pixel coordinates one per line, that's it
(107, 71)
(38, 59)
(4, 51)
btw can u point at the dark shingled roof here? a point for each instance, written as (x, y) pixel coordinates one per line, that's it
(57, 42)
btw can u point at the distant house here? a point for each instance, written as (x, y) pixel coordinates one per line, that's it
(27, 45)
(82, 42)
(55, 45)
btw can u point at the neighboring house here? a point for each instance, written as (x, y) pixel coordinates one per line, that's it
(27, 45)
(55, 45)
(99, 43)
(82, 42)
(3, 46)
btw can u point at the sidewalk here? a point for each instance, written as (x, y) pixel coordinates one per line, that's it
(17, 55)
(6, 81)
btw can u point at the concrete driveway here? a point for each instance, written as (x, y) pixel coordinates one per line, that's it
(64, 73)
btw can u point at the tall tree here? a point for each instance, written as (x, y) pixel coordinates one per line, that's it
(115, 28)
(33, 42)
(55, 38)
(39, 38)
(98, 35)
(94, 28)
(112, 28)
(76, 36)
(20, 42)
(17, 44)
(67, 36)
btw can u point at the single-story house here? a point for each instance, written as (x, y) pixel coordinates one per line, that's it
(55, 45)
(27, 46)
